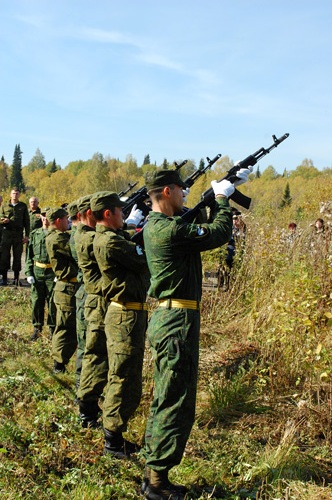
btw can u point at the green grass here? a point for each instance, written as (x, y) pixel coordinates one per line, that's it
(264, 414)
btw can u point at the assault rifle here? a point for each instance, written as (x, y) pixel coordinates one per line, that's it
(239, 198)
(195, 175)
(138, 197)
(129, 188)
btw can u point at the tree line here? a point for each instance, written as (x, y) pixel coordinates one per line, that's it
(294, 190)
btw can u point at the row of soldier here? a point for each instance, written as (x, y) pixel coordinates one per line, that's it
(99, 279)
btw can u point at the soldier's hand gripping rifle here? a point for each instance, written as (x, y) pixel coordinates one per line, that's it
(138, 197)
(239, 198)
(129, 188)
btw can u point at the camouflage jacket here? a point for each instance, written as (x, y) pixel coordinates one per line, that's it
(61, 259)
(173, 248)
(18, 216)
(123, 267)
(84, 237)
(35, 221)
(36, 250)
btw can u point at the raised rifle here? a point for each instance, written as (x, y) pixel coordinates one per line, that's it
(239, 198)
(195, 175)
(129, 188)
(138, 197)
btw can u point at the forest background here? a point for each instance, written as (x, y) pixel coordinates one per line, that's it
(263, 426)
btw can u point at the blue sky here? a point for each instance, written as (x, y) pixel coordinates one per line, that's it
(180, 79)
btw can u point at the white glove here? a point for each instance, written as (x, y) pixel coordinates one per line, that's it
(135, 216)
(185, 194)
(224, 187)
(243, 175)
(30, 280)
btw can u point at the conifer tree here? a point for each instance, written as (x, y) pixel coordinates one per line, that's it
(258, 172)
(146, 160)
(201, 164)
(16, 178)
(287, 199)
(165, 164)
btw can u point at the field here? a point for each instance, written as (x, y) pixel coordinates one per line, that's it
(263, 424)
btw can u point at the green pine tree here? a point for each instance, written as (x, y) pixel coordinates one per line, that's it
(16, 179)
(146, 160)
(287, 199)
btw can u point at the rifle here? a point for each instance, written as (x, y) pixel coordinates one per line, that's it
(239, 198)
(195, 175)
(139, 196)
(129, 188)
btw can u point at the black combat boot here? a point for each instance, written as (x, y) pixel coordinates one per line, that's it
(17, 279)
(4, 281)
(59, 367)
(89, 413)
(160, 488)
(36, 333)
(116, 445)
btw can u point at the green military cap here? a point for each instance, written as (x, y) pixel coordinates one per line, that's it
(84, 203)
(72, 209)
(105, 199)
(44, 210)
(52, 214)
(163, 178)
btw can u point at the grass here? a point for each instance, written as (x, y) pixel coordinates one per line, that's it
(264, 414)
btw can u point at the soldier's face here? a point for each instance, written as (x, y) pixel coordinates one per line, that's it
(117, 218)
(33, 203)
(63, 224)
(14, 196)
(176, 198)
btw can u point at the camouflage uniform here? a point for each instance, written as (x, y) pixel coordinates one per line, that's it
(173, 253)
(12, 235)
(38, 265)
(95, 363)
(124, 273)
(80, 297)
(35, 222)
(64, 341)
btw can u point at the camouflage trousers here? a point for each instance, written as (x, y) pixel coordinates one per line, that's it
(11, 241)
(125, 334)
(173, 335)
(64, 340)
(81, 326)
(95, 362)
(42, 294)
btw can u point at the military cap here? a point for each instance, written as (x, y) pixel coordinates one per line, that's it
(53, 214)
(105, 199)
(84, 203)
(72, 209)
(163, 178)
(44, 210)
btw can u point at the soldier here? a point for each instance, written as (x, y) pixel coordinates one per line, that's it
(173, 254)
(14, 219)
(80, 296)
(95, 362)
(64, 340)
(41, 278)
(34, 213)
(124, 274)
(1, 229)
